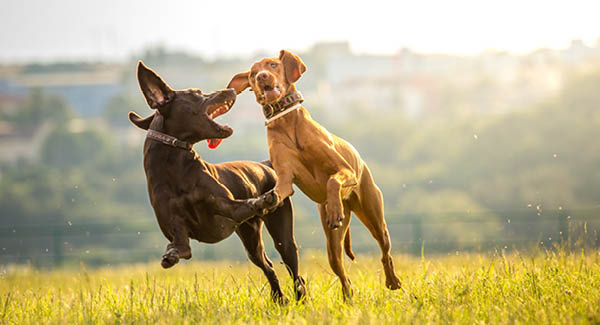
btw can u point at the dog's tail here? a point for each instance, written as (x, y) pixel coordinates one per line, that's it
(348, 245)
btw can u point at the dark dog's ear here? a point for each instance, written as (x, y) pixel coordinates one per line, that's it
(141, 122)
(294, 67)
(155, 90)
(239, 82)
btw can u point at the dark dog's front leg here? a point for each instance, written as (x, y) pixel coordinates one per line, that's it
(179, 247)
(170, 257)
(237, 210)
(218, 196)
(174, 252)
(267, 203)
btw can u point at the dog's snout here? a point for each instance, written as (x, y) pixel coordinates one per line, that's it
(262, 76)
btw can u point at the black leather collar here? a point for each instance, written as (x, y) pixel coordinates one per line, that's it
(286, 102)
(168, 140)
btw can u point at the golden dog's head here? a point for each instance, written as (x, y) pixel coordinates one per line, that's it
(270, 78)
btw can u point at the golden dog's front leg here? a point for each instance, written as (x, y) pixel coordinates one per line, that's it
(283, 188)
(284, 165)
(339, 187)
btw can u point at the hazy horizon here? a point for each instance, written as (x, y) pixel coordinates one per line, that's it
(36, 30)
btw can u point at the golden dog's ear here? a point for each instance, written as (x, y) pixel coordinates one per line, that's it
(155, 90)
(141, 122)
(239, 82)
(294, 67)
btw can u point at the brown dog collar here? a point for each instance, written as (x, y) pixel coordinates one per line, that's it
(168, 140)
(289, 100)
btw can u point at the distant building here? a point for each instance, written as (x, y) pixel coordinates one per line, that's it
(87, 90)
(22, 144)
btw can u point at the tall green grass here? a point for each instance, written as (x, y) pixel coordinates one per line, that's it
(543, 287)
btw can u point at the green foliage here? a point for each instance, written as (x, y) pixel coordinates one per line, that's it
(64, 148)
(39, 107)
(119, 106)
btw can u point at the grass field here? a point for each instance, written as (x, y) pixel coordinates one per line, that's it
(542, 287)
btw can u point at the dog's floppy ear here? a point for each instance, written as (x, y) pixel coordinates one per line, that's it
(155, 90)
(239, 82)
(141, 122)
(294, 67)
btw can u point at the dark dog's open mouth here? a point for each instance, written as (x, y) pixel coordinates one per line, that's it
(213, 111)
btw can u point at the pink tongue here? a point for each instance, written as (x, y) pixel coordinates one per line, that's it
(214, 143)
(272, 94)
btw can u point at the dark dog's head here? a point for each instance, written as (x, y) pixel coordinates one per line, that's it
(270, 78)
(187, 114)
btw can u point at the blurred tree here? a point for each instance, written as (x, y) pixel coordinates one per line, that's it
(65, 148)
(119, 106)
(38, 108)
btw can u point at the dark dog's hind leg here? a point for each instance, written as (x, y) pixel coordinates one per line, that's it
(250, 233)
(280, 225)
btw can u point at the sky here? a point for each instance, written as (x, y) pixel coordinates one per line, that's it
(47, 30)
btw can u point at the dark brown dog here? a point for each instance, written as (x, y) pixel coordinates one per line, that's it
(326, 168)
(194, 199)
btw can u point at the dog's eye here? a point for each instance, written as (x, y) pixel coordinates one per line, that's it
(273, 65)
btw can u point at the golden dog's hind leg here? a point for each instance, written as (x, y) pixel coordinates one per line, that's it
(335, 238)
(339, 186)
(369, 211)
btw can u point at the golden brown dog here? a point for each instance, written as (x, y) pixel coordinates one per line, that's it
(326, 168)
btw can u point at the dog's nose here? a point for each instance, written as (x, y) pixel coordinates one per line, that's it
(262, 76)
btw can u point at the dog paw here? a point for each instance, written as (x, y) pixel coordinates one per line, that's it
(257, 205)
(347, 293)
(170, 258)
(266, 203)
(271, 200)
(279, 298)
(393, 284)
(300, 289)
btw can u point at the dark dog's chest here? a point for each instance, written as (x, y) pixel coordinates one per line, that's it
(200, 220)
(181, 193)
(206, 226)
